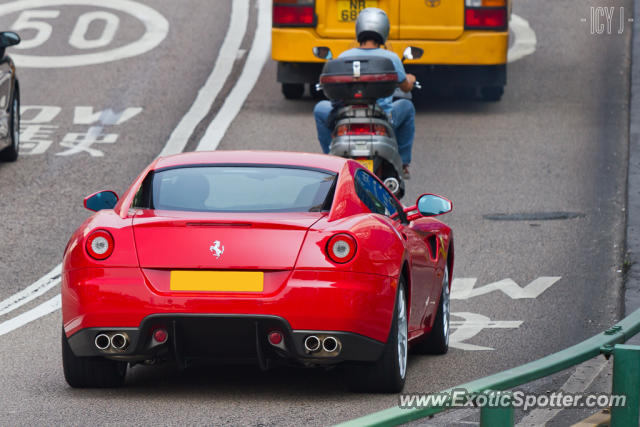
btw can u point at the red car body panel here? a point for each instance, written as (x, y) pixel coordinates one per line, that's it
(301, 283)
(265, 241)
(314, 300)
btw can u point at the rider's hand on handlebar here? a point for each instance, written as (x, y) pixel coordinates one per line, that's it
(408, 83)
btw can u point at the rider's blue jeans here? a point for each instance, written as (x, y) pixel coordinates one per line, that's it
(402, 117)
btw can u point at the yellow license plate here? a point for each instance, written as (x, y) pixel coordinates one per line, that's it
(367, 163)
(348, 10)
(217, 281)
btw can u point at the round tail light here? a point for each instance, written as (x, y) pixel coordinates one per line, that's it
(341, 248)
(100, 244)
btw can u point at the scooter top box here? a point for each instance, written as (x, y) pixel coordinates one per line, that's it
(358, 79)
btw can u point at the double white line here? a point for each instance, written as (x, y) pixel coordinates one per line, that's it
(180, 136)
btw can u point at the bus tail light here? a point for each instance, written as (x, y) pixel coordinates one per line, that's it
(294, 13)
(486, 14)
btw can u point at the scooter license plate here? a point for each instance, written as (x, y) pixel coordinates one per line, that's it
(348, 10)
(367, 163)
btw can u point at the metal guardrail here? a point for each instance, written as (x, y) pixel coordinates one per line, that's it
(626, 381)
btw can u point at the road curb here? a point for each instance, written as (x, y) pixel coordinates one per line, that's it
(632, 259)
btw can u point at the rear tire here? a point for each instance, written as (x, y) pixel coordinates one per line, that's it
(81, 372)
(492, 93)
(438, 340)
(388, 374)
(292, 90)
(10, 154)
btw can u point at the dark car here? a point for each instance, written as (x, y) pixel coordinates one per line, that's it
(9, 100)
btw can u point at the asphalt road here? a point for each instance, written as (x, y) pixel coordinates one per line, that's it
(556, 143)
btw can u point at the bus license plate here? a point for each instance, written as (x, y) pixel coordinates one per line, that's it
(348, 10)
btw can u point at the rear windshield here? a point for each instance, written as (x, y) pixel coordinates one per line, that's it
(237, 189)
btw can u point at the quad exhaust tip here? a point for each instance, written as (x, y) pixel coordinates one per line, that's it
(102, 341)
(312, 343)
(330, 344)
(326, 345)
(117, 342)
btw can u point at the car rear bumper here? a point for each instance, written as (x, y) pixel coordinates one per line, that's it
(308, 300)
(472, 48)
(231, 338)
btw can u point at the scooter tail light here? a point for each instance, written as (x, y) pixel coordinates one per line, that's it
(361, 129)
(380, 130)
(342, 130)
(341, 248)
(100, 244)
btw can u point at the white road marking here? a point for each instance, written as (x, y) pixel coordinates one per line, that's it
(229, 52)
(253, 67)
(463, 288)
(33, 20)
(78, 37)
(44, 113)
(29, 316)
(472, 325)
(525, 39)
(83, 115)
(32, 292)
(156, 29)
(577, 383)
(36, 137)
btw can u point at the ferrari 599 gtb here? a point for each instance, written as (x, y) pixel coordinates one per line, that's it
(259, 256)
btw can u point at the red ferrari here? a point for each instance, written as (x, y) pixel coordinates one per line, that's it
(259, 256)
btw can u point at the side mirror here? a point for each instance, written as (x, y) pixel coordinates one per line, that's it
(322, 52)
(8, 38)
(412, 52)
(101, 200)
(433, 205)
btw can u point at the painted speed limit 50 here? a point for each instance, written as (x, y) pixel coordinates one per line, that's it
(95, 37)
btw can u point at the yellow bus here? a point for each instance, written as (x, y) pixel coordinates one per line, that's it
(465, 42)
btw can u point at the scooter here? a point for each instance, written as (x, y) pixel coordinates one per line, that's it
(362, 130)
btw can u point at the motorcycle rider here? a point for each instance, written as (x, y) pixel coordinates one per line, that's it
(372, 30)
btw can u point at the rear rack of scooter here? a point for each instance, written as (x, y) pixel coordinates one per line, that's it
(361, 111)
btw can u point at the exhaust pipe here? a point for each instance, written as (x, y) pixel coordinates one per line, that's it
(119, 341)
(392, 184)
(330, 344)
(312, 343)
(102, 342)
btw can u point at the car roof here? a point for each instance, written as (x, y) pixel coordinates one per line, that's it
(310, 160)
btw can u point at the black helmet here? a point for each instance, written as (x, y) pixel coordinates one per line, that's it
(372, 23)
